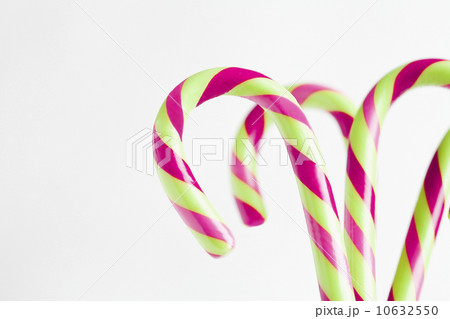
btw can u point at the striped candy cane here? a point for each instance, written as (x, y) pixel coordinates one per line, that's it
(194, 207)
(361, 164)
(248, 198)
(434, 200)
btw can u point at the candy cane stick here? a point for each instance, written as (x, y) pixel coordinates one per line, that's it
(193, 205)
(361, 164)
(433, 200)
(244, 182)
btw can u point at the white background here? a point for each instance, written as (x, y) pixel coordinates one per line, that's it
(77, 80)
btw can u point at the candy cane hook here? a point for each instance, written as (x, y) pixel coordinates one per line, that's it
(194, 207)
(244, 180)
(362, 159)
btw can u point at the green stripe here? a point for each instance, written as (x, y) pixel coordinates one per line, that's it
(212, 245)
(333, 282)
(298, 135)
(361, 271)
(167, 132)
(261, 86)
(359, 211)
(194, 87)
(403, 286)
(444, 165)
(424, 226)
(248, 195)
(363, 145)
(187, 196)
(330, 101)
(290, 128)
(245, 151)
(436, 74)
(383, 94)
(322, 212)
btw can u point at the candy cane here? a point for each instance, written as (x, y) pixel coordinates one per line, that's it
(361, 164)
(194, 207)
(433, 200)
(248, 198)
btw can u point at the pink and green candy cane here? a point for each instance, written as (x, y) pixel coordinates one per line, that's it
(362, 165)
(194, 207)
(434, 200)
(244, 182)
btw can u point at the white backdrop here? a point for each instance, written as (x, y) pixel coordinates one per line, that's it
(78, 78)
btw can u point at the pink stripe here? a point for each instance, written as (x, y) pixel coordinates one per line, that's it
(359, 239)
(409, 75)
(326, 245)
(254, 125)
(205, 225)
(226, 80)
(323, 295)
(312, 176)
(174, 110)
(360, 181)
(357, 296)
(345, 122)
(391, 295)
(322, 239)
(302, 92)
(281, 105)
(434, 192)
(405, 79)
(171, 162)
(414, 253)
(250, 216)
(371, 116)
(244, 173)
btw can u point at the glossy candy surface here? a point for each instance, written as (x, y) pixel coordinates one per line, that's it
(193, 205)
(362, 165)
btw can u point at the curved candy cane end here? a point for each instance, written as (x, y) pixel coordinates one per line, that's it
(224, 250)
(217, 248)
(213, 235)
(250, 215)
